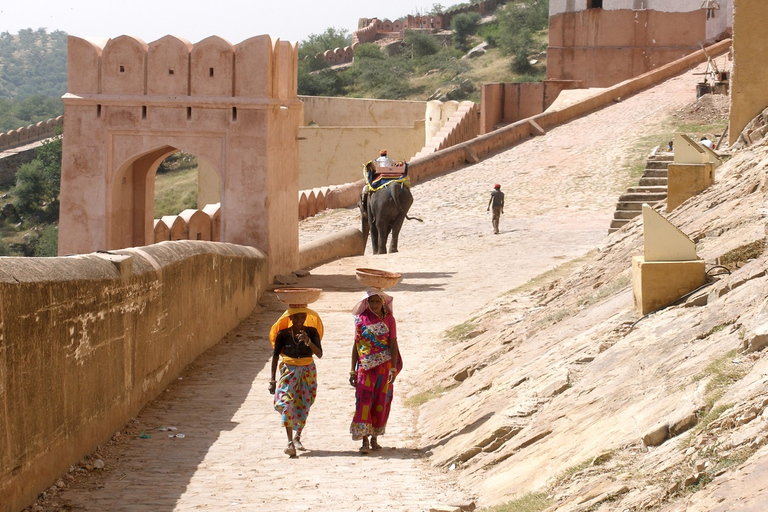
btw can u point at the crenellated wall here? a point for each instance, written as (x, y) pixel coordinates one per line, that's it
(461, 126)
(130, 104)
(89, 340)
(31, 133)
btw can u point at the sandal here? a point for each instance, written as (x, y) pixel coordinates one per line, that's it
(298, 445)
(290, 450)
(374, 444)
(365, 448)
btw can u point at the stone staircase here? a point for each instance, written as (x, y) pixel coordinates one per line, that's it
(651, 189)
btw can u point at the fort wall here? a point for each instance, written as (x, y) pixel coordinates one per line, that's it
(30, 133)
(625, 38)
(89, 340)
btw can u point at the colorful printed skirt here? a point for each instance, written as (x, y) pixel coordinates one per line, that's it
(373, 395)
(295, 394)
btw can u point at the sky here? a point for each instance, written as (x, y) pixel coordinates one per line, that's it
(194, 20)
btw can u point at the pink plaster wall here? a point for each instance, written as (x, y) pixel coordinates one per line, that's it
(129, 102)
(602, 47)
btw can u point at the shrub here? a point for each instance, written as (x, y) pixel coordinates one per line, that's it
(380, 76)
(419, 44)
(48, 243)
(517, 24)
(463, 26)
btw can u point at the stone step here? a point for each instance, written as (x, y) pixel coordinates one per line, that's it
(643, 196)
(655, 173)
(653, 182)
(632, 205)
(657, 164)
(618, 223)
(626, 214)
(653, 189)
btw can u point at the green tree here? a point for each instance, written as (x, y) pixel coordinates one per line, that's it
(321, 83)
(31, 191)
(317, 44)
(36, 194)
(436, 9)
(464, 25)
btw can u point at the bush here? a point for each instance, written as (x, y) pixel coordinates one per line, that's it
(517, 24)
(321, 83)
(419, 44)
(380, 76)
(31, 191)
(48, 243)
(463, 26)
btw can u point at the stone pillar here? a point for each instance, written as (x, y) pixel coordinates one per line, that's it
(749, 94)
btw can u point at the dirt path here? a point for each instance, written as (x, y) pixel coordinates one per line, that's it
(560, 191)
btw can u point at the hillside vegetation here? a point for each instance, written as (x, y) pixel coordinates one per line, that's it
(434, 66)
(33, 77)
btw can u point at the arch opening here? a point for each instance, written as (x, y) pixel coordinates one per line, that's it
(166, 186)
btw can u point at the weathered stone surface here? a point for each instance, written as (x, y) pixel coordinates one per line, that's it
(683, 424)
(656, 435)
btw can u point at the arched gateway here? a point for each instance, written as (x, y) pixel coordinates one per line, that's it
(130, 104)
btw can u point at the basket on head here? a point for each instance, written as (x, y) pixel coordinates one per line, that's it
(298, 297)
(379, 279)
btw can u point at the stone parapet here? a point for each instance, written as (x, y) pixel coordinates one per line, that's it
(109, 333)
(31, 133)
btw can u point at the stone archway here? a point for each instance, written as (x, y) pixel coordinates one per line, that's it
(129, 104)
(133, 194)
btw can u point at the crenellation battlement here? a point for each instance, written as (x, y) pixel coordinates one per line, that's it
(172, 67)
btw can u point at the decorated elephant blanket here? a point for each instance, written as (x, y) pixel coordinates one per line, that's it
(379, 178)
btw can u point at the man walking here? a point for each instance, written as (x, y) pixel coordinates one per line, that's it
(497, 202)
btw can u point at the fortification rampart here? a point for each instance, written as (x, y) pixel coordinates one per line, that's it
(460, 126)
(482, 146)
(30, 133)
(621, 39)
(89, 340)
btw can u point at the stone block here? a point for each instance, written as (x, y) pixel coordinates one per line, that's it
(657, 284)
(686, 180)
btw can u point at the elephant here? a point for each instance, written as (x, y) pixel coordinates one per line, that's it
(383, 212)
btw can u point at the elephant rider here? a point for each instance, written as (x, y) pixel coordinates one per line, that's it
(381, 171)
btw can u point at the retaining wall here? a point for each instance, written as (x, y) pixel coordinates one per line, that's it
(88, 340)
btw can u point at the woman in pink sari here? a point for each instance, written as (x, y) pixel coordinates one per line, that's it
(375, 365)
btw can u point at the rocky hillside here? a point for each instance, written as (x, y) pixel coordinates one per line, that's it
(564, 399)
